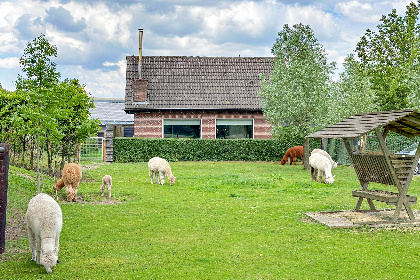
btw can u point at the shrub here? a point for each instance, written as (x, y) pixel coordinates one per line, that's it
(142, 149)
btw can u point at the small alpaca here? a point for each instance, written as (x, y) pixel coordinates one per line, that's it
(321, 164)
(292, 154)
(71, 175)
(322, 152)
(160, 168)
(106, 182)
(44, 221)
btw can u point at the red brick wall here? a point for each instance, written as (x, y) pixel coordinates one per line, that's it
(149, 125)
(140, 90)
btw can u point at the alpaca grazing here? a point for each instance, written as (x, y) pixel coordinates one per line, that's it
(322, 165)
(322, 152)
(44, 221)
(71, 175)
(159, 167)
(292, 154)
(106, 182)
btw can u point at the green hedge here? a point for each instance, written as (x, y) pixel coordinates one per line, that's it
(142, 149)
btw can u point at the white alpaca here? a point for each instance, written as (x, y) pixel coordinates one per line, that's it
(106, 182)
(160, 168)
(322, 152)
(44, 220)
(322, 164)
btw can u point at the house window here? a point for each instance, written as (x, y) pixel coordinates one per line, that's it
(234, 128)
(175, 128)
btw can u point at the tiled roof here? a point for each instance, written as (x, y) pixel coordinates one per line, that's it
(111, 112)
(180, 82)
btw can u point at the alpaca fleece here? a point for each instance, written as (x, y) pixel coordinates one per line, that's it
(159, 167)
(322, 164)
(324, 153)
(44, 221)
(293, 153)
(106, 182)
(70, 178)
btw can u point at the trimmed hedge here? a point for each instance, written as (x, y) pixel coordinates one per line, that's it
(143, 149)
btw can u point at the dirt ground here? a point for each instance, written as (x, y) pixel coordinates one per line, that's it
(369, 218)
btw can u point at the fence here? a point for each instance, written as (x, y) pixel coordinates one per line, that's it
(92, 149)
(4, 167)
(394, 142)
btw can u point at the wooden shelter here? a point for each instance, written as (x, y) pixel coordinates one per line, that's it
(379, 166)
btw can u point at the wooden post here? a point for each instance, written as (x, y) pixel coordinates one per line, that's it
(4, 168)
(306, 153)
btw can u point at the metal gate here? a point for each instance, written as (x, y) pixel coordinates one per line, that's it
(92, 149)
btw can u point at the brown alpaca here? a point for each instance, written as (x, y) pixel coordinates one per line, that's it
(293, 153)
(71, 175)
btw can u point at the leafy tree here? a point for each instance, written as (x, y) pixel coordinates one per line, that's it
(353, 91)
(390, 58)
(74, 116)
(38, 116)
(55, 115)
(297, 94)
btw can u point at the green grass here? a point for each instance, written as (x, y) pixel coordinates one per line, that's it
(221, 220)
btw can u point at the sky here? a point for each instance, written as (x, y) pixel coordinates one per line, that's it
(93, 37)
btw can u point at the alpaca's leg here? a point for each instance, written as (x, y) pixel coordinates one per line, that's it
(38, 249)
(109, 191)
(157, 177)
(319, 176)
(313, 173)
(57, 244)
(151, 176)
(102, 190)
(32, 244)
(294, 160)
(74, 193)
(162, 178)
(69, 194)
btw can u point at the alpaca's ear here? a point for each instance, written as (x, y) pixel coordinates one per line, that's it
(334, 176)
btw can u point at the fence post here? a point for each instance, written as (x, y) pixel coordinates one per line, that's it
(4, 168)
(109, 135)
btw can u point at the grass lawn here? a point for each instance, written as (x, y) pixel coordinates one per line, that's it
(221, 220)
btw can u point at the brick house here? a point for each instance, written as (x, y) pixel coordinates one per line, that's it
(196, 97)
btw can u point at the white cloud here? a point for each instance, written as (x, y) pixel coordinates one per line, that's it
(360, 12)
(321, 22)
(110, 84)
(9, 62)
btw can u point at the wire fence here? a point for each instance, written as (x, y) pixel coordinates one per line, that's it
(92, 149)
(395, 143)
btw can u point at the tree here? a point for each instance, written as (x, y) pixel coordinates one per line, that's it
(55, 115)
(390, 58)
(297, 93)
(41, 79)
(353, 91)
(74, 116)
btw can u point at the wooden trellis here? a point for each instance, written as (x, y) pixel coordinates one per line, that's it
(380, 166)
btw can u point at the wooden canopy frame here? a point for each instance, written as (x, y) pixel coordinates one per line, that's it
(381, 166)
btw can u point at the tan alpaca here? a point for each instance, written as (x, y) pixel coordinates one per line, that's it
(160, 168)
(71, 175)
(106, 182)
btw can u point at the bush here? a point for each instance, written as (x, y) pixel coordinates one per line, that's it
(142, 149)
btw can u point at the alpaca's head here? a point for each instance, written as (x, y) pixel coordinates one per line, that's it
(48, 258)
(282, 162)
(172, 180)
(329, 180)
(334, 164)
